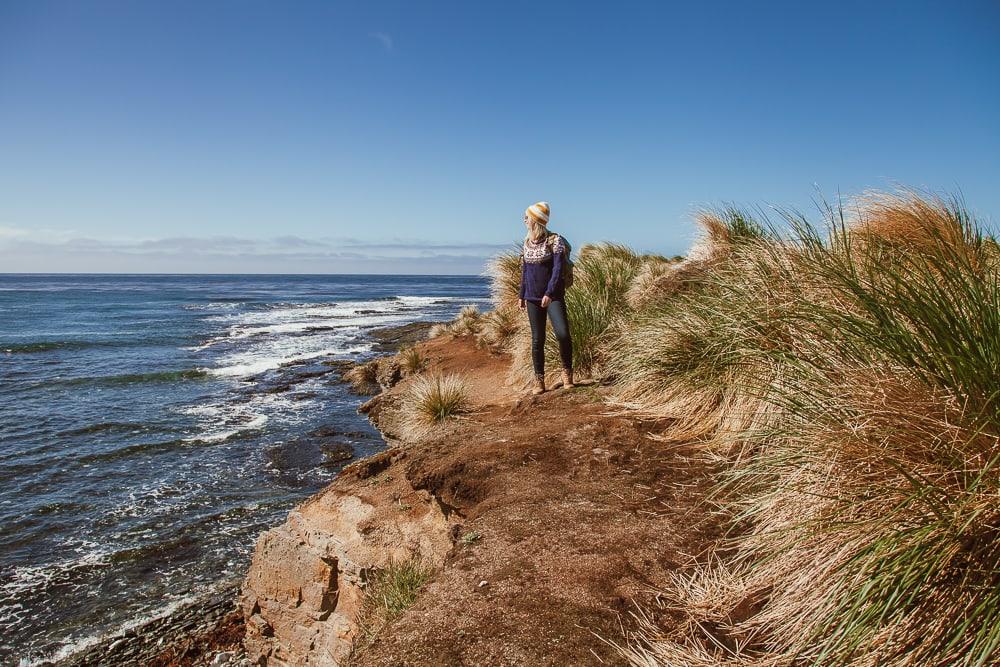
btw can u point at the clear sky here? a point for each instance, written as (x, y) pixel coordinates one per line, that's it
(336, 137)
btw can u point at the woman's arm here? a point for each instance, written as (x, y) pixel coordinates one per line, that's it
(558, 261)
(524, 271)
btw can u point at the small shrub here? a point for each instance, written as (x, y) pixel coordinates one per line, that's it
(432, 399)
(468, 322)
(470, 538)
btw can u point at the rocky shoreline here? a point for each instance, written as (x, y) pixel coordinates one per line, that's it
(209, 630)
(537, 541)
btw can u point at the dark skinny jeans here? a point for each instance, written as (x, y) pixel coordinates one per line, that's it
(560, 326)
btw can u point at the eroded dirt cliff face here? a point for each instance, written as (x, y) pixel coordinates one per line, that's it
(542, 517)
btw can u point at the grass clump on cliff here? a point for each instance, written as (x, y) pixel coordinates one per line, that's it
(391, 591)
(411, 360)
(432, 399)
(847, 375)
(363, 378)
(468, 322)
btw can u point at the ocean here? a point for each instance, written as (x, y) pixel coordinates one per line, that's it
(152, 426)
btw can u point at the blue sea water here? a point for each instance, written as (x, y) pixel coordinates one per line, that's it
(152, 426)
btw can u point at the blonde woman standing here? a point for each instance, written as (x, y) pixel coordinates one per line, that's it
(543, 271)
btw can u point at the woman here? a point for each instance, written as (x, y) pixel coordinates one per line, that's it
(543, 267)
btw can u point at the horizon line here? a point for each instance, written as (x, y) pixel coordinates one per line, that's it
(122, 273)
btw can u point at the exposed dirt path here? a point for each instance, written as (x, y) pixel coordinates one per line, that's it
(570, 512)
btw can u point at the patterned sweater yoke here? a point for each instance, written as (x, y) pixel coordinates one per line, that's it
(542, 268)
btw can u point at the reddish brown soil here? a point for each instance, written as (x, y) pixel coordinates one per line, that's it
(577, 512)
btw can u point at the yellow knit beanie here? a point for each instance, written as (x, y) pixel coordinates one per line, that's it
(539, 211)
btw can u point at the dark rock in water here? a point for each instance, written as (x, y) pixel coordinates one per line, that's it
(277, 388)
(295, 362)
(336, 452)
(391, 339)
(338, 365)
(334, 432)
(324, 447)
(314, 373)
(303, 395)
(293, 456)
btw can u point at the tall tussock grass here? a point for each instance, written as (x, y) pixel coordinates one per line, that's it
(848, 375)
(432, 399)
(603, 274)
(504, 273)
(411, 360)
(468, 322)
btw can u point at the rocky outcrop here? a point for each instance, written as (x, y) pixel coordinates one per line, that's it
(305, 587)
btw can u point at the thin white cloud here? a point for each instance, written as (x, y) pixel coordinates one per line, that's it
(384, 38)
(24, 250)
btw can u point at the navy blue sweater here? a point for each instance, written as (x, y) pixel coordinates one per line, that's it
(542, 268)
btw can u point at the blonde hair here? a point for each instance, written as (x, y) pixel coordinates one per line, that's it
(536, 230)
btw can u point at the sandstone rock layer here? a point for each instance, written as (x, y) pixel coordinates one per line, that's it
(305, 586)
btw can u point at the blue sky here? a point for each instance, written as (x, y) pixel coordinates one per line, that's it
(329, 137)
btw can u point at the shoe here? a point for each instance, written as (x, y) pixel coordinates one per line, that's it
(539, 387)
(568, 378)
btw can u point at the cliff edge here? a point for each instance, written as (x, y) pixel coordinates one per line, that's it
(539, 520)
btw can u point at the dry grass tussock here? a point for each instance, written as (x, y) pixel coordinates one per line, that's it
(411, 360)
(432, 399)
(504, 272)
(847, 374)
(646, 284)
(468, 322)
(363, 378)
(500, 328)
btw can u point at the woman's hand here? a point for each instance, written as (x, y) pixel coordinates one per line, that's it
(546, 301)
(520, 304)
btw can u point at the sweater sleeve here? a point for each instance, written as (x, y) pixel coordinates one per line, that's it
(558, 261)
(524, 270)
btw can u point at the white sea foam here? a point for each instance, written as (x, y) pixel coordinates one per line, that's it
(19, 581)
(312, 320)
(156, 499)
(214, 305)
(253, 362)
(256, 422)
(220, 422)
(82, 644)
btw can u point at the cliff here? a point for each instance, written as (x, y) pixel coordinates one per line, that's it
(540, 519)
